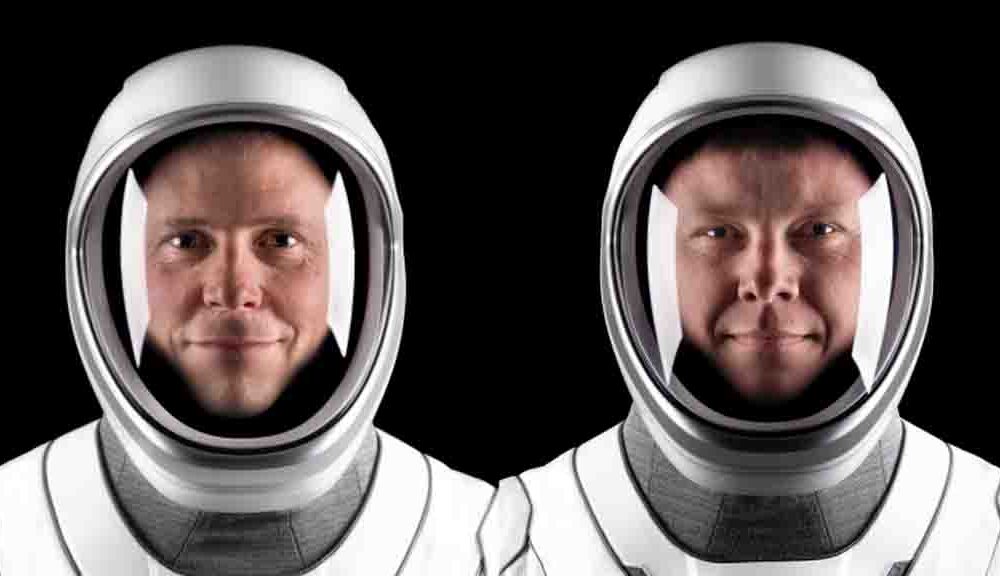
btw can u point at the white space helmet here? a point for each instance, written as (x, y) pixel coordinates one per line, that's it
(693, 263)
(325, 320)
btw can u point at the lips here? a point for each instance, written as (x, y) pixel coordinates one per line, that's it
(761, 338)
(235, 331)
(234, 343)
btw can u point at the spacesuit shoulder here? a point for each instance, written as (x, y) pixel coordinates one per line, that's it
(964, 534)
(30, 541)
(976, 478)
(540, 522)
(445, 542)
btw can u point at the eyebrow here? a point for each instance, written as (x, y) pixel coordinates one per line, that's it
(707, 204)
(719, 209)
(182, 222)
(283, 221)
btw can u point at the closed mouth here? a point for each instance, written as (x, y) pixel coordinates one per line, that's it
(777, 339)
(234, 344)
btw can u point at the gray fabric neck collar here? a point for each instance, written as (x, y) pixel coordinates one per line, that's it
(733, 527)
(195, 542)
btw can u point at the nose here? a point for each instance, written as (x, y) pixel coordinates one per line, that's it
(233, 279)
(768, 272)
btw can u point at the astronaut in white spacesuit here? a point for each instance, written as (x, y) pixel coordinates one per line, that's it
(766, 272)
(236, 288)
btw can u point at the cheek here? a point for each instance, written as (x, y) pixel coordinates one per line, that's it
(702, 287)
(300, 296)
(173, 296)
(833, 288)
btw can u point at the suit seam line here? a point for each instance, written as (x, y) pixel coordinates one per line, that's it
(997, 500)
(822, 517)
(479, 530)
(423, 516)
(187, 539)
(715, 523)
(295, 540)
(993, 557)
(537, 557)
(590, 510)
(52, 509)
(937, 510)
(527, 539)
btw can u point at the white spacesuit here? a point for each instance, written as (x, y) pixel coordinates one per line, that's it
(766, 275)
(242, 346)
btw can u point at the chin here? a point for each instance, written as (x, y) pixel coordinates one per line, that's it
(769, 394)
(238, 410)
(240, 400)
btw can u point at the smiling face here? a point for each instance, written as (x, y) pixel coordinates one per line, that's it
(769, 260)
(236, 265)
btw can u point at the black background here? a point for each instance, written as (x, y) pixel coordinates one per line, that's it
(501, 145)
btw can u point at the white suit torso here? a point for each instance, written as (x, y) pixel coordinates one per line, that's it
(58, 516)
(581, 514)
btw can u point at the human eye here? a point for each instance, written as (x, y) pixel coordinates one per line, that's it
(716, 239)
(183, 246)
(818, 230)
(721, 232)
(718, 232)
(187, 240)
(279, 239)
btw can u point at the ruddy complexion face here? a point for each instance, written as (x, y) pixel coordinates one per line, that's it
(236, 266)
(768, 261)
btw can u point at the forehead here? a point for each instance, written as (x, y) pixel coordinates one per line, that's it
(228, 177)
(815, 174)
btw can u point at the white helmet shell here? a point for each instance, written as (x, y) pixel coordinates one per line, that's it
(737, 454)
(215, 86)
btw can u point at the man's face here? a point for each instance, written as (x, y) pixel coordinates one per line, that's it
(769, 261)
(236, 266)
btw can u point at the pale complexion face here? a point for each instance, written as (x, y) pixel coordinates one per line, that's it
(236, 266)
(769, 261)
